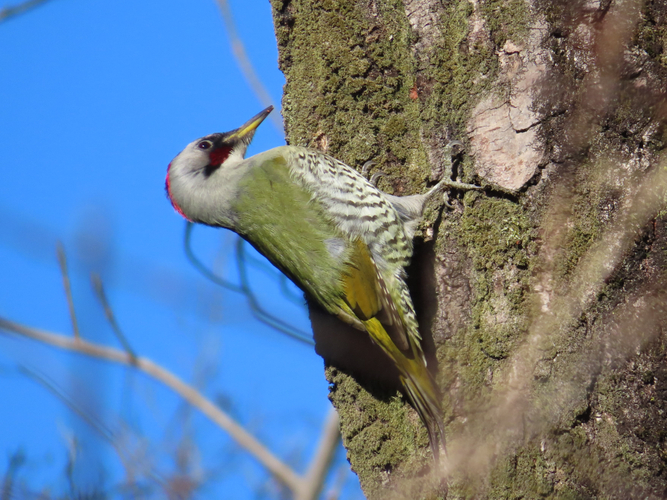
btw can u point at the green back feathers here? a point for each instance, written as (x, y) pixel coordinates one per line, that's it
(277, 217)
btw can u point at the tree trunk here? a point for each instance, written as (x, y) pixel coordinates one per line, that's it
(542, 298)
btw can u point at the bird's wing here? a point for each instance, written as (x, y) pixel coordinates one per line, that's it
(367, 296)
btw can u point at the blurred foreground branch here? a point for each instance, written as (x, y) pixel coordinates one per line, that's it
(244, 288)
(62, 262)
(245, 65)
(20, 8)
(303, 488)
(108, 312)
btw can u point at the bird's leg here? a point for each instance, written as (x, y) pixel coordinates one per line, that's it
(446, 182)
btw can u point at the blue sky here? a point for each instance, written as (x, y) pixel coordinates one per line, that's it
(96, 98)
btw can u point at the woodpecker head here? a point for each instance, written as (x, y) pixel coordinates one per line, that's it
(206, 162)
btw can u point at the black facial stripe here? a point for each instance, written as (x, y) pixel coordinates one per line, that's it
(210, 169)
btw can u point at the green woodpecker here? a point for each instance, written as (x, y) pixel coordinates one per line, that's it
(336, 236)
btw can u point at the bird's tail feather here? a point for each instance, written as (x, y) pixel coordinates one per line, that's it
(428, 408)
(417, 381)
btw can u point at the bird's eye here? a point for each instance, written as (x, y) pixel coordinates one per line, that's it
(205, 145)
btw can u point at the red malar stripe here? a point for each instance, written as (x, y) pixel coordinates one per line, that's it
(218, 156)
(171, 199)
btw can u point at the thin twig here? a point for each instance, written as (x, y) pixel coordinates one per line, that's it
(21, 8)
(244, 439)
(294, 298)
(199, 266)
(326, 451)
(245, 289)
(336, 489)
(94, 422)
(108, 312)
(62, 261)
(16, 461)
(255, 306)
(271, 270)
(245, 65)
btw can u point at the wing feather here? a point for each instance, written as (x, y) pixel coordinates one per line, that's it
(366, 294)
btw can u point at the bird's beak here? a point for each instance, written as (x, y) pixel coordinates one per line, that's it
(247, 130)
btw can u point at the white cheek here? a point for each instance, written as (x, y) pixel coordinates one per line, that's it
(235, 156)
(192, 160)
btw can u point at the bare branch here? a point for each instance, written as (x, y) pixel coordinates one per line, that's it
(207, 273)
(284, 288)
(245, 289)
(16, 461)
(274, 465)
(108, 312)
(257, 309)
(288, 293)
(21, 8)
(62, 261)
(96, 424)
(245, 65)
(336, 489)
(326, 450)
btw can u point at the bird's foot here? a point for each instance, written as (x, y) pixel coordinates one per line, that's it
(455, 147)
(373, 179)
(448, 184)
(365, 170)
(445, 200)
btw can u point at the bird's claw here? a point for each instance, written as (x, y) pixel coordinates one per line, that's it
(445, 200)
(366, 168)
(376, 177)
(455, 147)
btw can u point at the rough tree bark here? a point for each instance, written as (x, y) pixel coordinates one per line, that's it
(543, 297)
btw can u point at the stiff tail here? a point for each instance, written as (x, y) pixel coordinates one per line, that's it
(424, 399)
(417, 381)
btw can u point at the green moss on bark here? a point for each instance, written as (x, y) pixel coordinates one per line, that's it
(348, 82)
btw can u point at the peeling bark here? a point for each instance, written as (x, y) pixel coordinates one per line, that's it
(504, 130)
(542, 300)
